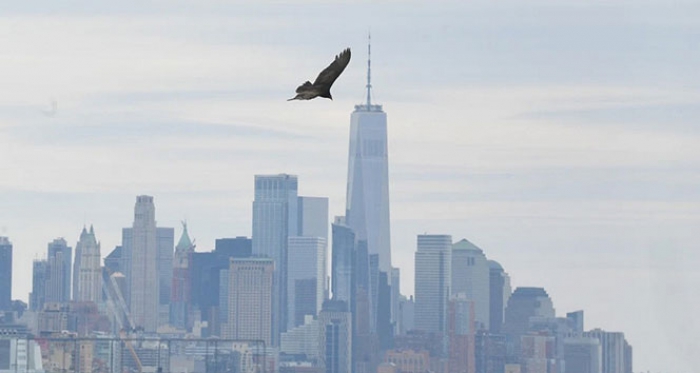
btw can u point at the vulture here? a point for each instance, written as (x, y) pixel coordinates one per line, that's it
(321, 87)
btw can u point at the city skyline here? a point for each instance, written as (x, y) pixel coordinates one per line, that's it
(573, 173)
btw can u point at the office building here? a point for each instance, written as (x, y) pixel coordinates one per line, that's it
(470, 276)
(60, 261)
(250, 299)
(5, 274)
(87, 286)
(275, 218)
(433, 262)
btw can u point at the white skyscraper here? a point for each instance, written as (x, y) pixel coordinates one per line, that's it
(88, 278)
(432, 282)
(144, 282)
(367, 202)
(470, 276)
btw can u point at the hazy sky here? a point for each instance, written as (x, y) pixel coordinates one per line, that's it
(560, 138)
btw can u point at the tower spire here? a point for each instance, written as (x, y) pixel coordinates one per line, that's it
(369, 70)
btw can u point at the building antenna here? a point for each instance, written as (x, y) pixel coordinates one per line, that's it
(369, 70)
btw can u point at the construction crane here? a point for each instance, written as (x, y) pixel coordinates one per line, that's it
(121, 314)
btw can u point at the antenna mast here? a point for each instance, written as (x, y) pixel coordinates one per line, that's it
(369, 71)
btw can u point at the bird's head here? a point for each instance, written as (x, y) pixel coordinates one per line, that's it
(327, 95)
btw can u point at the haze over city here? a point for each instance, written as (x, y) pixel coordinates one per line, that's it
(559, 138)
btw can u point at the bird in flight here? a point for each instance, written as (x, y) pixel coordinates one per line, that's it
(322, 85)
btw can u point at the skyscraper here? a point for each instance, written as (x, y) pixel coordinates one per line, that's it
(165, 240)
(460, 331)
(88, 286)
(524, 304)
(306, 278)
(39, 274)
(342, 263)
(312, 218)
(274, 220)
(499, 292)
(612, 346)
(250, 299)
(59, 275)
(367, 205)
(5, 274)
(575, 321)
(144, 281)
(335, 339)
(582, 355)
(433, 261)
(180, 293)
(470, 276)
(206, 274)
(395, 298)
(307, 260)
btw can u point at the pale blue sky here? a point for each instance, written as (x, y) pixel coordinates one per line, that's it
(560, 138)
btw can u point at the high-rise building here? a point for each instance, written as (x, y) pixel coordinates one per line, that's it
(165, 241)
(144, 276)
(208, 300)
(628, 368)
(87, 286)
(395, 298)
(385, 329)
(250, 299)
(39, 275)
(343, 263)
(433, 262)
(181, 291)
(576, 321)
(335, 339)
(125, 261)
(524, 304)
(275, 218)
(470, 276)
(406, 314)
(460, 331)
(60, 261)
(312, 218)
(499, 292)
(237, 247)
(612, 346)
(582, 355)
(306, 278)
(307, 260)
(113, 260)
(5, 274)
(367, 205)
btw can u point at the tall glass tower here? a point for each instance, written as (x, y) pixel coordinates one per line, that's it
(275, 217)
(367, 205)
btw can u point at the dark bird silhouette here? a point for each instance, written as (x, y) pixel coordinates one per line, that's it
(322, 85)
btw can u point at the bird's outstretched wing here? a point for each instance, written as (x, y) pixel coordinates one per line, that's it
(333, 71)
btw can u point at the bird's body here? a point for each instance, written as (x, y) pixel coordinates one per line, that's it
(321, 87)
